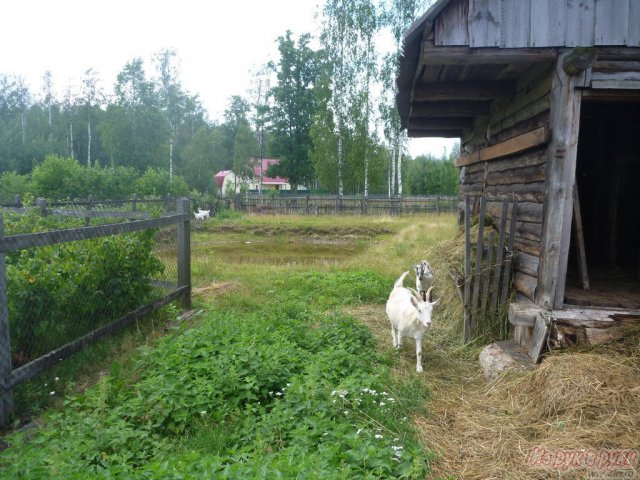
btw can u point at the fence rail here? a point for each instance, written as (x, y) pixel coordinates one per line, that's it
(347, 205)
(180, 289)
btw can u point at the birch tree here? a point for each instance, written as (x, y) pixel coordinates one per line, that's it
(92, 96)
(171, 96)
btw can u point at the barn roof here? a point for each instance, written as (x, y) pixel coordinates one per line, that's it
(461, 55)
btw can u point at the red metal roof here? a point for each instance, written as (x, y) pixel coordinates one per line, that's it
(266, 162)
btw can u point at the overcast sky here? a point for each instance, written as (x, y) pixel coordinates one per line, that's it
(218, 42)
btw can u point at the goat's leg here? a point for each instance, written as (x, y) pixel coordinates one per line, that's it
(418, 355)
(394, 336)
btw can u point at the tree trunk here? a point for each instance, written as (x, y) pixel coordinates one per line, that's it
(71, 140)
(399, 152)
(89, 144)
(340, 163)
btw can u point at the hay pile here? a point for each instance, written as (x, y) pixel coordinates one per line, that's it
(573, 400)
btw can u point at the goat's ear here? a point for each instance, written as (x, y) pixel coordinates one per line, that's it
(414, 301)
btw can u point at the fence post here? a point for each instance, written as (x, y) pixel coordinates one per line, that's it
(41, 203)
(87, 218)
(6, 393)
(184, 250)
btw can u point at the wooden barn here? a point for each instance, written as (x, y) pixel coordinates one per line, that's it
(545, 97)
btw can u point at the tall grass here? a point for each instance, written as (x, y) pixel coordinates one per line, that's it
(273, 381)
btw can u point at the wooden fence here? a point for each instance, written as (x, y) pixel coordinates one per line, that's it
(487, 267)
(9, 377)
(347, 205)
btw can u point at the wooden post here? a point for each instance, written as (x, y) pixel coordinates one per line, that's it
(467, 270)
(561, 170)
(87, 218)
(6, 393)
(579, 236)
(41, 203)
(184, 250)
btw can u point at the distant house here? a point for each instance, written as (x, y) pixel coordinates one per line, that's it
(268, 183)
(226, 182)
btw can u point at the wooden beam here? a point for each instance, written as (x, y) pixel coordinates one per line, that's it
(486, 56)
(450, 109)
(523, 314)
(561, 170)
(463, 91)
(511, 146)
(434, 133)
(440, 123)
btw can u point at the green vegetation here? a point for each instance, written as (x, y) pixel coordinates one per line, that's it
(273, 380)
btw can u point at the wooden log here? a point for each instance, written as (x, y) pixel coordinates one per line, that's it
(529, 231)
(522, 175)
(478, 266)
(525, 284)
(486, 56)
(506, 279)
(487, 273)
(511, 146)
(528, 246)
(469, 108)
(525, 314)
(579, 236)
(526, 263)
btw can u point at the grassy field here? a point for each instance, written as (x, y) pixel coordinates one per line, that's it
(281, 376)
(288, 372)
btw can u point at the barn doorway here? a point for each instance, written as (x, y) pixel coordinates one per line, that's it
(608, 186)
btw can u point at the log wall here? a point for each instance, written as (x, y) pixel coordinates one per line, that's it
(520, 176)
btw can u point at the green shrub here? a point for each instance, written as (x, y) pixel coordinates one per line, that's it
(59, 292)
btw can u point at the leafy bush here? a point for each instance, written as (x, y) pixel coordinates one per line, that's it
(284, 391)
(59, 292)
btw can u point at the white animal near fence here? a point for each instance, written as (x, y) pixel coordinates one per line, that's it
(201, 214)
(424, 278)
(410, 316)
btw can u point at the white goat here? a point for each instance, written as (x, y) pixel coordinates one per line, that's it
(424, 278)
(410, 316)
(201, 214)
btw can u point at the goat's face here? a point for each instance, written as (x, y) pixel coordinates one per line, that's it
(424, 309)
(423, 270)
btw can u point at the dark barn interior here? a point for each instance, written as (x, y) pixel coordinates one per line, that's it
(608, 180)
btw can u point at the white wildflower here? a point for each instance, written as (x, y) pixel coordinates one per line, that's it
(203, 412)
(377, 435)
(382, 404)
(52, 393)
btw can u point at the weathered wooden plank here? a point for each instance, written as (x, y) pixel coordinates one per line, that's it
(484, 23)
(506, 279)
(616, 65)
(511, 146)
(515, 24)
(548, 22)
(450, 109)
(463, 91)
(466, 56)
(499, 255)
(451, 24)
(478, 266)
(440, 123)
(579, 29)
(467, 270)
(19, 242)
(612, 22)
(528, 159)
(562, 154)
(539, 338)
(633, 35)
(521, 313)
(487, 273)
(615, 76)
(433, 132)
(579, 236)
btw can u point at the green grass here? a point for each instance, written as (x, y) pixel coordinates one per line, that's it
(272, 381)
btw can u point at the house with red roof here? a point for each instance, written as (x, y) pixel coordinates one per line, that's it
(226, 180)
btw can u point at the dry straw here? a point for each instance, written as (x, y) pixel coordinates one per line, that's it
(579, 399)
